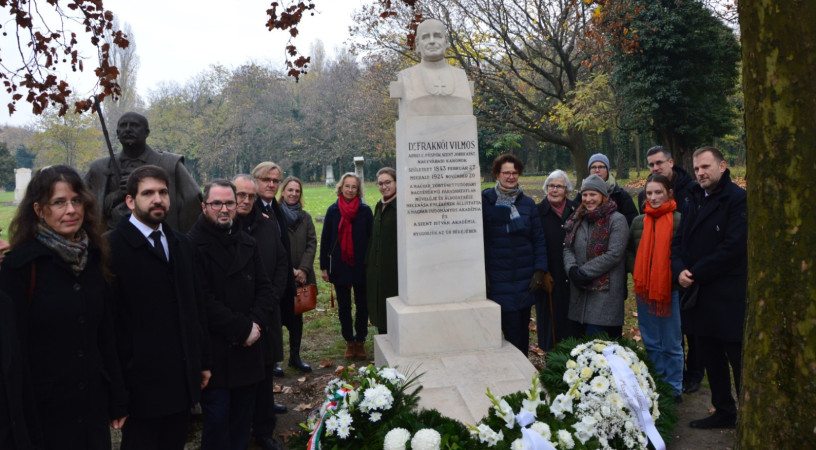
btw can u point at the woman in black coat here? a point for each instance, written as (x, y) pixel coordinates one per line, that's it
(56, 276)
(552, 309)
(343, 244)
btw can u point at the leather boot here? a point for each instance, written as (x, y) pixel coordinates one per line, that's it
(350, 350)
(359, 350)
(295, 335)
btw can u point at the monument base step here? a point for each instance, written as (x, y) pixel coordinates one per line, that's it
(455, 383)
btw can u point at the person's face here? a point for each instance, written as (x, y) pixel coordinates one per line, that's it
(708, 170)
(600, 169)
(349, 188)
(591, 199)
(387, 185)
(268, 185)
(431, 41)
(660, 165)
(64, 211)
(131, 129)
(557, 191)
(656, 194)
(246, 192)
(151, 202)
(291, 193)
(221, 215)
(508, 176)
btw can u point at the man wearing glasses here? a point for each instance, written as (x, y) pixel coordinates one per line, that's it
(599, 165)
(660, 161)
(240, 302)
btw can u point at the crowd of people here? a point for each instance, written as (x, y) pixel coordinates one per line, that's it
(130, 324)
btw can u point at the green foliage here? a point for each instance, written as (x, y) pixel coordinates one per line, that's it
(7, 166)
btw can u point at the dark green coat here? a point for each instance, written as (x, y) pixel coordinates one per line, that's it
(635, 233)
(381, 262)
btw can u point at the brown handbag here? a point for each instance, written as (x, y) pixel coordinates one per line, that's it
(306, 298)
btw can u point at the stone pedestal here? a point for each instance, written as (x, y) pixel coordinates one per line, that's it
(330, 182)
(359, 170)
(22, 177)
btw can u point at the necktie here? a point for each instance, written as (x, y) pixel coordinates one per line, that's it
(157, 245)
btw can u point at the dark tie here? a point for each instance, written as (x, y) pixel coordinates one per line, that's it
(157, 245)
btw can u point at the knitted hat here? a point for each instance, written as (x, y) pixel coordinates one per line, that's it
(595, 183)
(598, 157)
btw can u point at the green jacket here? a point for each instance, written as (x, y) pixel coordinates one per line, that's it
(635, 233)
(381, 262)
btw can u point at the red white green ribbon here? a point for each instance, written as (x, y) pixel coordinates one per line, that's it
(325, 411)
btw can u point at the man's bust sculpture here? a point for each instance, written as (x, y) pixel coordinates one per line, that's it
(132, 131)
(432, 87)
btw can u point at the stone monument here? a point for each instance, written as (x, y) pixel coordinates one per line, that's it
(359, 170)
(442, 324)
(22, 177)
(330, 182)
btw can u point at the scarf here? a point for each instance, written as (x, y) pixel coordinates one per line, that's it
(291, 213)
(73, 251)
(506, 198)
(348, 212)
(652, 272)
(598, 240)
(559, 209)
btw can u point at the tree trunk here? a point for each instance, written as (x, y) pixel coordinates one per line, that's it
(778, 399)
(580, 158)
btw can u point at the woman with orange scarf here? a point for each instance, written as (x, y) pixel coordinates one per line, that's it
(343, 244)
(658, 301)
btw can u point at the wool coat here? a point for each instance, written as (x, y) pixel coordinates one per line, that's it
(303, 241)
(553, 226)
(160, 321)
(275, 215)
(341, 273)
(237, 292)
(511, 258)
(381, 262)
(275, 263)
(712, 244)
(68, 345)
(599, 307)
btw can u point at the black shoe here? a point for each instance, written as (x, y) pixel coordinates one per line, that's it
(277, 371)
(691, 387)
(278, 408)
(716, 420)
(267, 443)
(299, 365)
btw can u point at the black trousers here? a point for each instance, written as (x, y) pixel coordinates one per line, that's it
(263, 419)
(717, 355)
(360, 330)
(160, 433)
(516, 328)
(693, 371)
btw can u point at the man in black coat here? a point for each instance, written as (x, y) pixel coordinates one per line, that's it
(240, 302)
(160, 322)
(710, 250)
(275, 258)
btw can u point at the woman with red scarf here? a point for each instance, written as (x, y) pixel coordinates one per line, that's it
(658, 301)
(343, 243)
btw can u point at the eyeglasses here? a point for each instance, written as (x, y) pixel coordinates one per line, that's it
(384, 183)
(61, 204)
(268, 180)
(598, 167)
(510, 174)
(217, 205)
(555, 187)
(243, 196)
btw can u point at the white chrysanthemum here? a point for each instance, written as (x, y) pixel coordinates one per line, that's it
(377, 397)
(565, 439)
(571, 364)
(391, 374)
(396, 439)
(518, 444)
(586, 373)
(344, 418)
(542, 428)
(585, 429)
(600, 384)
(375, 416)
(599, 346)
(426, 439)
(333, 386)
(599, 360)
(570, 376)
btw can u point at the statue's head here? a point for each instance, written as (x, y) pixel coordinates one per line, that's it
(132, 129)
(431, 41)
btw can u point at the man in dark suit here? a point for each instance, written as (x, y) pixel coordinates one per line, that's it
(710, 250)
(160, 322)
(240, 303)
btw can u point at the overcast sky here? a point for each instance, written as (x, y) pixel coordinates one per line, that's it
(177, 39)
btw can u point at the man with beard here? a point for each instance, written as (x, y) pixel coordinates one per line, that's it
(240, 302)
(160, 321)
(108, 183)
(274, 258)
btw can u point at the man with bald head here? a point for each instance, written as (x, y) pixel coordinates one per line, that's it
(109, 187)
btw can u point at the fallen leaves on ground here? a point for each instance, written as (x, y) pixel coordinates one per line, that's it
(325, 363)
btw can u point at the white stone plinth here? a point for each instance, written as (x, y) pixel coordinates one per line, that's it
(455, 383)
(22, 177)
(443, 328)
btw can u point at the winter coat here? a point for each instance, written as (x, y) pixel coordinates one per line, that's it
(237, 292)
(681, 186)
(636, 232)
(512, 258)
(599, 307)
(161, 327)
(303, 239)
(287, 296)
(68, 345)
(276, 264)
(381, 262)
(341, 273)
(554, 232)
(712, 244)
